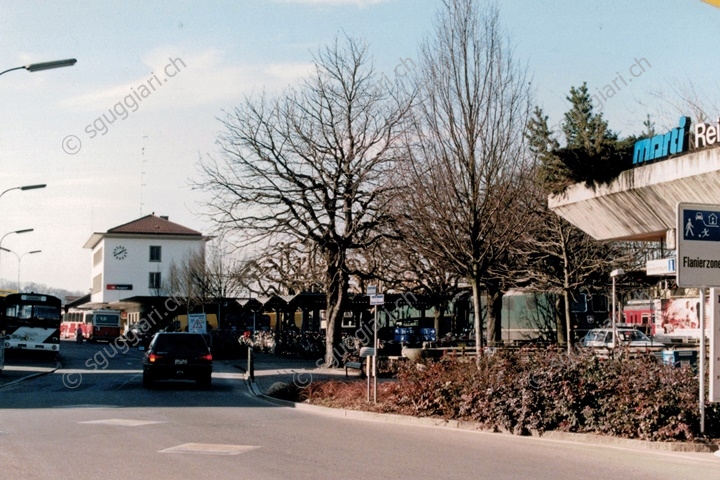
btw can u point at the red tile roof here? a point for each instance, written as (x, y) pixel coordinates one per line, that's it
(151, 224)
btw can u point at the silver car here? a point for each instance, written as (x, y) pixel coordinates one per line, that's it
(628, 337)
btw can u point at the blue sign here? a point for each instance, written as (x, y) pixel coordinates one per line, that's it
(701, 225)
(673, 142)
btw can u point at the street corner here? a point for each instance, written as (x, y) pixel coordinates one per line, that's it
(14, 374)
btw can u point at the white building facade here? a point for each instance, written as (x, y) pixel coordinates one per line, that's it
(133, 259)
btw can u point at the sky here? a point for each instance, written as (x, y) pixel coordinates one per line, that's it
(171, 69)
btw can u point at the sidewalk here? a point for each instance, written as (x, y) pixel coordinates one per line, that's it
(271, 369)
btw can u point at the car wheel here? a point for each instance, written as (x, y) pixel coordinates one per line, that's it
(205, 381)
(147, 379)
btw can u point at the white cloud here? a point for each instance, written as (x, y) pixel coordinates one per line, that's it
(186, 80)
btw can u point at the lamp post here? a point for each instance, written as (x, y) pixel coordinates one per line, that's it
(36, 67)
(25, 187)
(615, 273)
(19, 258)
(25, 230)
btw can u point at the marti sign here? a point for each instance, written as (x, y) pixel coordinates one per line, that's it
(676, 141)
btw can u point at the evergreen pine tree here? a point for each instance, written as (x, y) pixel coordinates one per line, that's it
(592, 154)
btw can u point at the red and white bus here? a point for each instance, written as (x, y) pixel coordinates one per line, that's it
(95, 324)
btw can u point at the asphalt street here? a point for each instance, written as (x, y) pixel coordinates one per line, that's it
(92, 419)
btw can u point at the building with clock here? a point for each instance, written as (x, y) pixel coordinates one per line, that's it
(132, 260)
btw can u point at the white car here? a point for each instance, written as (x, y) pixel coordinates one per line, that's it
(629, 337)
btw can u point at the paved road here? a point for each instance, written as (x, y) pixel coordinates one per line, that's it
(88, 424)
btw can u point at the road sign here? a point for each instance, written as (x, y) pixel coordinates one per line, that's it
(663, 266)
(377, 299)
(372, 290)
(698, 245)
(197, 323)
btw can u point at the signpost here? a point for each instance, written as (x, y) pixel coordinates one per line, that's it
(698, 265)
(197, 323)
(375, 300)
(661, 267)
(714, 390)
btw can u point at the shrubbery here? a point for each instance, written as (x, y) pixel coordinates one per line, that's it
(521, 391)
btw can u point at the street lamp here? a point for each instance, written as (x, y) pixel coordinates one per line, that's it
(19, 258)
(36, 67)
(25, 187)
(615, 273)
(25, 230)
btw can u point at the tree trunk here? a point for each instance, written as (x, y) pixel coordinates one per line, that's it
(336, 287)
(438, 313)
(494, 323)
(560, 322)
(477, 318)
(568, 320)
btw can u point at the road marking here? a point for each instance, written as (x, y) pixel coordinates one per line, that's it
(231, 376)
(121, 422)
(87, 405)
(209, 449)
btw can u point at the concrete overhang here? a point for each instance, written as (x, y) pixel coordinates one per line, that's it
(641, 204)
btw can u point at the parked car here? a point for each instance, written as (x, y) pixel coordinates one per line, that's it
(178, 356)
(628, 337)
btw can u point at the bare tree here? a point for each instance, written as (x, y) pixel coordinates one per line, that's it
(286, 269)
(204, 276)
(467, 146)
(310, 167)
(558, 257)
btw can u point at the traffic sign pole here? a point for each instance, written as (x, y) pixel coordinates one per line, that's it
(374, 358)
(702, 360)
(698, 265)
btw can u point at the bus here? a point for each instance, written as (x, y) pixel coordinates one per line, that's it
(95, 324)
(31, 321)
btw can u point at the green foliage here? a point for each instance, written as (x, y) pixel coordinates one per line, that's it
(592, 153)
(552, 172)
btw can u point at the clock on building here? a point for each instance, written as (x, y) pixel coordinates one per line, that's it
(120, 252)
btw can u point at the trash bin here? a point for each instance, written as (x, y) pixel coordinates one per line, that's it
(680, 358)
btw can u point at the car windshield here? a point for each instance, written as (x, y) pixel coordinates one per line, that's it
(632, 336)
(595, 336)
(180, 343)
(107, 319)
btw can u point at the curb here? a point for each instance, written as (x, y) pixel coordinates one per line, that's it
(393, 418)
(58, 366)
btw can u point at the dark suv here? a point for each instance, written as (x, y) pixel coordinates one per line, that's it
(178, 356)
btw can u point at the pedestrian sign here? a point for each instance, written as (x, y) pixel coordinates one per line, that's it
(698, 245)
(197, 323)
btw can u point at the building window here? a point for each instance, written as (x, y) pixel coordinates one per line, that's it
(154, 280)
(97, 256)
(155, 253)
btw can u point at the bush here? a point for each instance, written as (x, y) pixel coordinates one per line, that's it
(526, 390)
